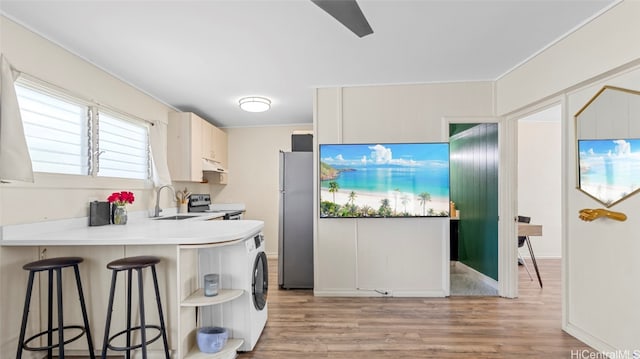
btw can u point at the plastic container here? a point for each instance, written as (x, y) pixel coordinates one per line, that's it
(211, 339)
(211, 285)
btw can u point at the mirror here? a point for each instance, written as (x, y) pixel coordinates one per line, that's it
(608, 145)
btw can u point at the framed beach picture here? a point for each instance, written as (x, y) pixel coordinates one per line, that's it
(609, 169)
(384, 180)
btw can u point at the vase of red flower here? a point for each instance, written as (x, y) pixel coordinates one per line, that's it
(119, 215)
(118, 202)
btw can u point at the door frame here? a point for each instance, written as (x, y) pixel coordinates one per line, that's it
(510, 198)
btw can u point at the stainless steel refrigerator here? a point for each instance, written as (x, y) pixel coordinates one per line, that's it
(295, 250)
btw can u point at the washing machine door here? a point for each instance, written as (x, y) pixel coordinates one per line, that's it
(260, 282)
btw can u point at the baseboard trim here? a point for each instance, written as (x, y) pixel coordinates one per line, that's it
(526, 255)
(590, 340)
(372, 293)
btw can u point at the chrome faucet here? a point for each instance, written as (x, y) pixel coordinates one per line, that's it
(156, 212)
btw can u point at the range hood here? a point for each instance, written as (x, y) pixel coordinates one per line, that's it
(212, 166)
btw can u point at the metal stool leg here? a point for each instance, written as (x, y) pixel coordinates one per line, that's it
(50, 314)
(162, 326)
(84, 312)
(60, 316)
(25, 315)
(105, 343)
(129, 295)
(533, 258)
(143, 327)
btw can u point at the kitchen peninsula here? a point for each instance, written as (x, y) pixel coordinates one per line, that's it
(176, 242)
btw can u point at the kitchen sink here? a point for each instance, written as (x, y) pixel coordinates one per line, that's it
(175, 218)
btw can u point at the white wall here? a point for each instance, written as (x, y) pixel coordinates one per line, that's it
(406, 257)
(254, 174)
(57, 196)
(67, 196)
(600, 265)
(600, 46)
(540, 182)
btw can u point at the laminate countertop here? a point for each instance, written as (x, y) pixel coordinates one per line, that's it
(199, 230)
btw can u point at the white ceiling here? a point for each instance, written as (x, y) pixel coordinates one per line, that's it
(202, 56)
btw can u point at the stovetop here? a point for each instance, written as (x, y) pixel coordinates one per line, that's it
(202, 203)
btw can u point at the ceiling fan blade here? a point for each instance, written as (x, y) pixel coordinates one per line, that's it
(348, 13)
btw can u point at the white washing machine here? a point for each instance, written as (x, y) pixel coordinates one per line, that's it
(241, 266)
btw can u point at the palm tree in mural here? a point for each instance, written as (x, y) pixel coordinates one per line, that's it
(404, 200)
(396, 191)
(367, 211)
(423, 198)
(385, 208)
(352, 197)
(333, 188)
(352, 204)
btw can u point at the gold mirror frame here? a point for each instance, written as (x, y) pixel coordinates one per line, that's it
(615, 126)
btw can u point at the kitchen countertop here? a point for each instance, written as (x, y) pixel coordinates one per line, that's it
(138, 231)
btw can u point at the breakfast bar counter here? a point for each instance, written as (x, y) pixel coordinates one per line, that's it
(198, 230)
(177, 242)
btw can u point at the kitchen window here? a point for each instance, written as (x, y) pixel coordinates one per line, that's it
(67, 135)
(56, 130)
(123, 147)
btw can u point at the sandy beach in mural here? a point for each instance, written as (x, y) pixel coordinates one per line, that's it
(372, 199)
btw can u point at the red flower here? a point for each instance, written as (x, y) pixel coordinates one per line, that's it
(121, 198)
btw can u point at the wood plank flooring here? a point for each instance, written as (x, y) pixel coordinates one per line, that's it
(303, 326)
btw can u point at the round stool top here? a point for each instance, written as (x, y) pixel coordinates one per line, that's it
(133, 262)
(52, 263)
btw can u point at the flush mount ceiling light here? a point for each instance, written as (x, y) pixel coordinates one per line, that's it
(255, 104)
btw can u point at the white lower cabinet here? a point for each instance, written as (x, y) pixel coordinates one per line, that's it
(192, 299)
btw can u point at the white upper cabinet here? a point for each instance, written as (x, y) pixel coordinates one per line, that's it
(214, 144)
(190, 141)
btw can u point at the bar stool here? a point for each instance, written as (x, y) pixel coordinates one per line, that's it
(50, 265)
(129, 264)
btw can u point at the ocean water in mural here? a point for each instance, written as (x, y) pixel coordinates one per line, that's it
(384, 180)
(609, 169)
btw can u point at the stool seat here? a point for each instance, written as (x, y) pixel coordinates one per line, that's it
(53, 266)
(133, 263)
(52, 263)
(138, 264)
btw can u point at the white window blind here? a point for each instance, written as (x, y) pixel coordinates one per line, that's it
(56, 131)
(69, 135)
(123, 147)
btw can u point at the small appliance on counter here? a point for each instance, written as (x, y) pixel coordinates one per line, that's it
(202, 203)
(99, 213)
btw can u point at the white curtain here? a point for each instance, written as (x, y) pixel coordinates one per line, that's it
(158, 142)
(15, 162)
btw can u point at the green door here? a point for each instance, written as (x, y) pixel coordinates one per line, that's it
(474, 189)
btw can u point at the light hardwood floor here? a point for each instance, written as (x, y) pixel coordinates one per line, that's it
(303, 326)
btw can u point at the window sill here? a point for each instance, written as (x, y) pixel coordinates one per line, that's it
(64, 181)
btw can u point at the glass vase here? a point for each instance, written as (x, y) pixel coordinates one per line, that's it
(119, 215)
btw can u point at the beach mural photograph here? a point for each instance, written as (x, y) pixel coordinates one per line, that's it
(384, 180)
(609, 170)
